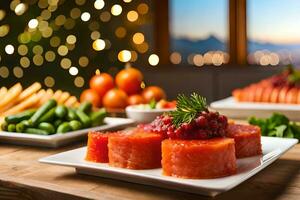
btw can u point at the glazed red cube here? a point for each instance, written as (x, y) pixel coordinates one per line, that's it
(135, 150)
(247, 139)
(203, 159)
(97, 150)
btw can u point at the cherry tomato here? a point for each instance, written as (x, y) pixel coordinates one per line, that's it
(115, 98)
(129, 80)
(153, 92)
(91, 96)
(101, 83)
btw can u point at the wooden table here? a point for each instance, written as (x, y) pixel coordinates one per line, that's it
(23, 177)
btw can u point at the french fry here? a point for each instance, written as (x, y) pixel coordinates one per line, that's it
(48, 95)
(57, 95)
(11, 95)
(3, 91)
(29, 91)
(71, 101)
(27, 103)
(64, 96)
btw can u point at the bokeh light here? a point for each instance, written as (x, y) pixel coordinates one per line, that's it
(153, 59)
(33, 23)
(85, 16)
(98, 45)
(124, 56)
(138, 38)
(132, 16)
(73, 71)
(116, 10)
(49, 81)
(99, 4)
(9, 49)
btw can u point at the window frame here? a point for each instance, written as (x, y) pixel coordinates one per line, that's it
(237, 31)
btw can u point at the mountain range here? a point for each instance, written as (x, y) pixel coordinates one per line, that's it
(186, 46)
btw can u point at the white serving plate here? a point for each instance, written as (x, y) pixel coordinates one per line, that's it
(233, 109)
(60, 139)
(247, 167)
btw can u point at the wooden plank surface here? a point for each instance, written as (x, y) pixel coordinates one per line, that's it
(23, 177)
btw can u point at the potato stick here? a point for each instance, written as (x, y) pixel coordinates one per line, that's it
(71, 101)
(3, 91)
(29, 91)
(11, 95)
(27, 103)
(57, 95)
(64, 96)
(1, 121)
(8, 106)
(48, 95)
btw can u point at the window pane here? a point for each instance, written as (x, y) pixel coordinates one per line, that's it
(199, 31)
(273, 32)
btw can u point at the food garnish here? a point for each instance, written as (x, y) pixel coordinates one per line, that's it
(278, 125)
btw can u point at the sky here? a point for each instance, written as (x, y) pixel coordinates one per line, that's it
(274, 21)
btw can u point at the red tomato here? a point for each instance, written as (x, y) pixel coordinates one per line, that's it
(153, 92)
(115, 98)
(135, 99)
(129, 80)
(101, 83)
(91, 96)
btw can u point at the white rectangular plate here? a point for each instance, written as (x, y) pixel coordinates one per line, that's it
(233, 109)
(247, 167)
(60, 139)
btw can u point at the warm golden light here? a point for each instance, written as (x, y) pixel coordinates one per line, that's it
(75, 13)
(38, 60)
(83, 61)
(60, 20)
(175, 58)
(50, 56)
(22, 50)
(85, 16)
(153, 59)
(138, 38)
(9, 49)
(46, 14)
(38, 49)
(65, 63)
(116, 10)
(18, 72)
(79, 81)
(105, 16)
(24, 62)
(127, 1)
(71, 39)
(98, 45)
(73, 71)
(99, 4)
(198, 60)
(33, 23)
(132, 16)
(124, 56)
(20, 9)
(4, 72)
(62, 50)
(143, 8)
(47, 32)
(49, 81)
(80, 2)
(2, 14)
(95, 35)
(4, 29)
(120, 32)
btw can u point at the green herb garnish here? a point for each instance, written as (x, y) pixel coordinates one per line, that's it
(187, 108)
(278, 125)
(152, 104)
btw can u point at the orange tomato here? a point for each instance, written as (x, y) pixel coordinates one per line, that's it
(135, 99)
(153, 92)
(115, 98)
(102, 83)
(129, 80)
(91, 96)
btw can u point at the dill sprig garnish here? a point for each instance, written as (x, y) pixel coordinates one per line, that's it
(187, 108)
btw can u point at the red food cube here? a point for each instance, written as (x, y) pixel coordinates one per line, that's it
(247, 139)
(135, 150)
(203, 159)
(97, 150)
